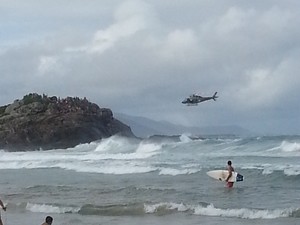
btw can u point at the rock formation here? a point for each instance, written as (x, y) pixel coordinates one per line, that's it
(42, 122)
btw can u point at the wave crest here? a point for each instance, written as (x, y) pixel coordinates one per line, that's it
(243, 213)
(162, 208)
(290, 147)
(44, 208)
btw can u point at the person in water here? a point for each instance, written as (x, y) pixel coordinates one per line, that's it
(4, 208)
(230, 170)
(48, 220)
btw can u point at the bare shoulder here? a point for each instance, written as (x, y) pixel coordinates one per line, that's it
(230, 168)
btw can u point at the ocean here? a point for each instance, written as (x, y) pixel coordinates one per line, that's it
(154, 181)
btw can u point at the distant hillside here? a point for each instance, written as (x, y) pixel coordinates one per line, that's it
(144, 127)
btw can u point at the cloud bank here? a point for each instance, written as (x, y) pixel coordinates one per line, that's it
(143, 57)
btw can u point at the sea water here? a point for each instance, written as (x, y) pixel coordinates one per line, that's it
(154, 181)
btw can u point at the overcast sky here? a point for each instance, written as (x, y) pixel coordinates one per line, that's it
(144, 57)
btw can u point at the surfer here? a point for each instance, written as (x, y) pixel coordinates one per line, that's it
(230, 170)
(4, 208)
(48, 220)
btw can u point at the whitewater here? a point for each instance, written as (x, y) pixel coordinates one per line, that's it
(158, 180)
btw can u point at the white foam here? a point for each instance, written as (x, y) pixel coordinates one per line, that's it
(117, 155)
(244, 213)
(185, 138)
(210, 210)
(148, 147)
(256, 166)
(115, 144)
(43, 208)
(84, 147)
(80, 163)
(292, 171)
(114, 167)
(174, 172)
(165, 205)
(267, 169)
(290, 147)
(87, 157)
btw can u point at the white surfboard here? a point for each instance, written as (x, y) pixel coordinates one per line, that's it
(223, 174)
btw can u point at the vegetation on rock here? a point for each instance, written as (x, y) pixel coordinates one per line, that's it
(42, 122)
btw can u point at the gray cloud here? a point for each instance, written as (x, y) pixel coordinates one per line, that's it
(144, 57)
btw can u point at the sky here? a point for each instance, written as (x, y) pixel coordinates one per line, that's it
(143, 57)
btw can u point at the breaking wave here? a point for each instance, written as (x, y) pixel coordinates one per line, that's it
(120, 155)
(244, 213)
(164, 208)
(267, 169)
(44, 208)
(290, 147)
(174, 172)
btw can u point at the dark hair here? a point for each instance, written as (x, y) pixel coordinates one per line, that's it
(49, 219)
(229, 163)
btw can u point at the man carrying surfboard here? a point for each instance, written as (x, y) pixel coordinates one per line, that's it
(229, 175)
(230, 170)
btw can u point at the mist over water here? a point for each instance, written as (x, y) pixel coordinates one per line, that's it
(121, 177)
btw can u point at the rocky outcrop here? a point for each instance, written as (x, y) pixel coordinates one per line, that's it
(42, 122)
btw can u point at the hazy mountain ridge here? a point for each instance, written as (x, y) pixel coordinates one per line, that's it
(145, 127)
